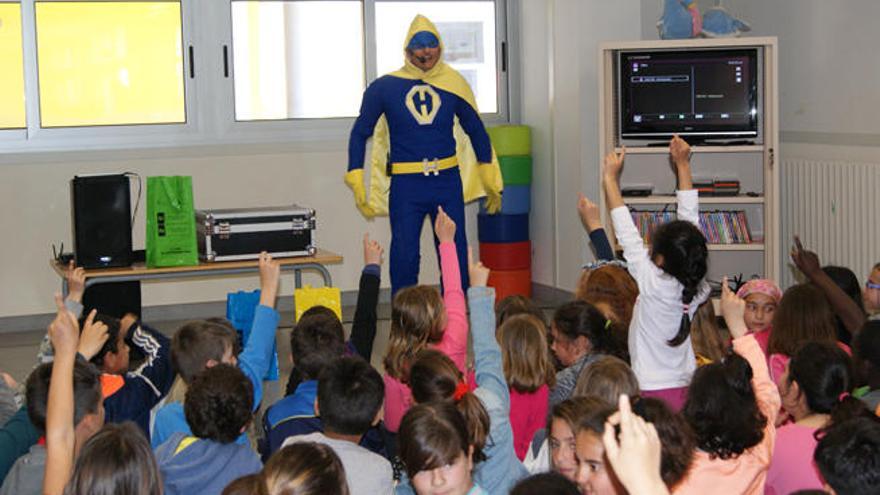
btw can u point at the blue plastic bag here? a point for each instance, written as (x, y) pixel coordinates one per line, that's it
(240, 308)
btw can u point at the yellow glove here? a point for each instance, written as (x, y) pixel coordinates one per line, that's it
(490, 176)
(355, 180)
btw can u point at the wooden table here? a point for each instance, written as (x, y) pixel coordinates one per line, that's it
(139, 271)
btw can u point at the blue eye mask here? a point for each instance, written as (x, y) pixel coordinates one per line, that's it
(423, 39)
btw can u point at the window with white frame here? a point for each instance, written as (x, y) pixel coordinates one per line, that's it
(297, 59)
(107, 71)
(467, 30)
(12, 109)
(109, 63)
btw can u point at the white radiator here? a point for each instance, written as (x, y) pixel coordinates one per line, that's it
(835, 209)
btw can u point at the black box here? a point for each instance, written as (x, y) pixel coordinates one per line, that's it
(242, 233)
(101, 210)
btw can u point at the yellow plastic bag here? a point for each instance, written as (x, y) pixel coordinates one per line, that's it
(308, 297)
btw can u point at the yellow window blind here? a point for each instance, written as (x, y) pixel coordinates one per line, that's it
(110, 63)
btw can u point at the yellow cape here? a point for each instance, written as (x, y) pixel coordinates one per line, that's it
(448, 79)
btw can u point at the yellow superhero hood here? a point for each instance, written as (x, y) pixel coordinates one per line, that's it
(448, 79)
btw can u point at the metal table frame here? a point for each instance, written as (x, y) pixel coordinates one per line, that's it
(215, 269)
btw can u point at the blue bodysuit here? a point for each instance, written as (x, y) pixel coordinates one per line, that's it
(420, 125)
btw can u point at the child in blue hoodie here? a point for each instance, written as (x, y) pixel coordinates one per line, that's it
(218, 407)
(202, 344)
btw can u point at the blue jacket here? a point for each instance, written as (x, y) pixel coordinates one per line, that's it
(295, 415)
(502, 469)
(204, 467)
(253, 361)
(410, 141)
(144, 387)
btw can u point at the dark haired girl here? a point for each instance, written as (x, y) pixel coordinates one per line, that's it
(486, 410)
(580, 333)
(732, 406)
(815, 393)
(436, 448)
(670, 278)
(595, 474)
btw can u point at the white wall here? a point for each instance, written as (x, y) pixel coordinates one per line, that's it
(36, 213)
(828, 77)
(828, 70)
(558, 45)
(559, 49)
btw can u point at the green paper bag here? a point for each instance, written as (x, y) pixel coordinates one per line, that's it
(171, 222)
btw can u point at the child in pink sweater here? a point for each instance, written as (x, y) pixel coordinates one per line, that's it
(420, 319)
(529, 372)
(732, 407)
(762, 296)
(815, 393)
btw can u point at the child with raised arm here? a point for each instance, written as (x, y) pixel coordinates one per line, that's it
(435, 378)
(129, 394)
(592, 222)
(60, 411)
(26, 475)
(363, 327)
(420, 319)
(732, 407)
(670, 279)
(202, 344)
(316, 340)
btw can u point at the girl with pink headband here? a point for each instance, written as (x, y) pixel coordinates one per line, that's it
(762, 296)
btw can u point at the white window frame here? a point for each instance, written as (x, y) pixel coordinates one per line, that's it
(209, 98)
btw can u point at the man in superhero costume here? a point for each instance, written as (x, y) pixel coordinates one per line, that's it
(428, 137)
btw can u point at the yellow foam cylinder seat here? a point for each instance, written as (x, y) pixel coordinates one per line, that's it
(511, 140)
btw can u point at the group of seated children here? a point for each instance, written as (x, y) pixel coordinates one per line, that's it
(633, 387)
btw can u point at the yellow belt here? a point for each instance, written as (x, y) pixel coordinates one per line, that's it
(425, 166)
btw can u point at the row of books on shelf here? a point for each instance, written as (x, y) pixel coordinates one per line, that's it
(719, 227)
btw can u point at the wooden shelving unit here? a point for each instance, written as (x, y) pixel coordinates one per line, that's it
(755, 165)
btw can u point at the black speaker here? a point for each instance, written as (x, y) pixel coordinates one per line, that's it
(113, 299)
(101, 207)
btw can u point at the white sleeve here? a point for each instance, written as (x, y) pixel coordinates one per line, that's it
(634, 250)
(539, 462)
(688, 206)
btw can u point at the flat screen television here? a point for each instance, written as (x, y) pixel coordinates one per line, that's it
(707, 94)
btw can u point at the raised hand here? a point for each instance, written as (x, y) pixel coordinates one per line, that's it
(478, 273)
(614, 164)
(679, 151)
(76, 282)
(372, 251)
(64, 329)
(93, 337)
(733, 309)
(806, 261)
(444, 227)
(635, 458)
(589, 213)
(270, 274)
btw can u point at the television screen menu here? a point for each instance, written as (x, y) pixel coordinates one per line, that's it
(689, 93)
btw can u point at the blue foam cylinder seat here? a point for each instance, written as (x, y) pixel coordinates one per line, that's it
(503, 228)
(515, 200)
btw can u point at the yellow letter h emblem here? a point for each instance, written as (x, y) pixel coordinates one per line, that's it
(423, 92)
